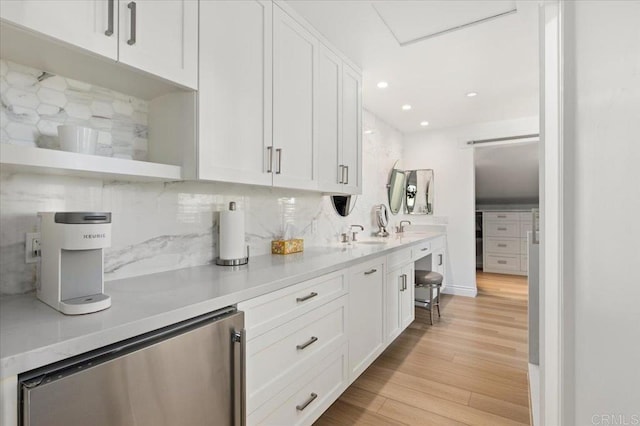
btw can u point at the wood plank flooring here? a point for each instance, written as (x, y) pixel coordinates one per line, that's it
(470, 368)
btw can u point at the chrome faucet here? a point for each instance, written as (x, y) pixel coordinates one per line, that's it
(401, 228)
(354, 233)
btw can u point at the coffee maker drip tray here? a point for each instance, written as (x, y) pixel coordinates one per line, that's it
(85, 304)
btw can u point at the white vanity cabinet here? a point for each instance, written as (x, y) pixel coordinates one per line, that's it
(504, 239)
(351, 130)
(399, 297)
(366, 315)
(234, 97)
(156, 36)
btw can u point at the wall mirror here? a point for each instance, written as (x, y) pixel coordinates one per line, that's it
(343, 204)
(418, 191)
(395, 189)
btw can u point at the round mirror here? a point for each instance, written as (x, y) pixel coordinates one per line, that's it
(343, 204)
(395, 189)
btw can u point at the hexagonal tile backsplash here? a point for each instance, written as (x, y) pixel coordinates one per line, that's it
(35, 103)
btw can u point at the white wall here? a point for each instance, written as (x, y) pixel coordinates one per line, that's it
(446, 152)
(601, 204)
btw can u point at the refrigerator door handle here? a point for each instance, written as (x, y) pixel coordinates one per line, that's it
(239, 339)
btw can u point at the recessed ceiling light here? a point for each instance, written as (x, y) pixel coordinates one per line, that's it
(471, 94)
(406, 107)
(424, 123)
(383, 85)
(368, 132)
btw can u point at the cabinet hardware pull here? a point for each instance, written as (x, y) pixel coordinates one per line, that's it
(132, 39)
(502, 262)
(371, 271)
(341, 173)
(502, 229)
(344, 170)
(346, 182)
(502, 245)
(424, 249)
(307, 343)
(302, 406)
(501, 216)
(439, 259)
(109, 31)
(404, 279)
(270, 160)
(307, 297)
(279, 162)
(401, 282)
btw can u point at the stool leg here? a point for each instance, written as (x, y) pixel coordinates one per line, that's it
(438, 303)
(431, 305)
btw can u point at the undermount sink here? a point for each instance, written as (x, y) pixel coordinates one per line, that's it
(372, 242)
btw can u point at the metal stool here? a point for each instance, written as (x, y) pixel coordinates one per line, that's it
(432, 281)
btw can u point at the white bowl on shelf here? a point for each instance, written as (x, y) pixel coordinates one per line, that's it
(78, 139)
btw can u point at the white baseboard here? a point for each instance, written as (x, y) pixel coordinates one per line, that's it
(458, 290)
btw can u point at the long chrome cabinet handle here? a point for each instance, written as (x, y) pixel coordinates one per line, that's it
(405, 280)
(110, 8)
(279, 162)
(307, 343)
(439, 259)
(372, 271)
(304, 405)
(307, 297)
(340, 173)
(132, 39)
(346, 181)
(270, 159)
(240, 377)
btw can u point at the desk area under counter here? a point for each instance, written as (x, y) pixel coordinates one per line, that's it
(345, 283)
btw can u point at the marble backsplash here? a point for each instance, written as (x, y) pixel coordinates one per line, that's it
(165, 226)
(33, 103)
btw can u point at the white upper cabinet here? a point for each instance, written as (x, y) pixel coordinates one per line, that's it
(156, 36)
(90, 24)
(339, 128)
(295, 53)
(235, 91)
(329, 120)
(352, 129)
(161, 37)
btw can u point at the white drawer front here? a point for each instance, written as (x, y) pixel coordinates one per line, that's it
(524, 263)
(274, 354)
(506, 229)
(306, 399)
(523, 247)
(501, 216)
(503, 246)
(507, 263)
(268, 311)
(399, 257)
(421, 250)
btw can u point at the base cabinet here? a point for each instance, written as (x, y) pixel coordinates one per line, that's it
(399, 300)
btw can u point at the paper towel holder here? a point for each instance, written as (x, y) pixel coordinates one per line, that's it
(233, 262)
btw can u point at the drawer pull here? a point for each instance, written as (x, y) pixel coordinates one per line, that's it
(424, 249)
(307, 297)
(304, 405)
(502, 262)
(307, 343)
(501, 216)
(502, 245)
(502, 229)
(373, 271)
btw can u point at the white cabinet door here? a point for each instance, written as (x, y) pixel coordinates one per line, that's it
(407, 296)
(294, 68)
(85, 24)
(329, 121)
(352, 129)
(366, 319)
(235, 91)
(161, 38)
(394, 287)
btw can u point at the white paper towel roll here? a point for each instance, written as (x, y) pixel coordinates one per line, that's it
(232, 245)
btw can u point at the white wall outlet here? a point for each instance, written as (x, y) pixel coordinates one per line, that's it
(32, 244)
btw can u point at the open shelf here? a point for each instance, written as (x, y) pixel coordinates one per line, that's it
(15, 158)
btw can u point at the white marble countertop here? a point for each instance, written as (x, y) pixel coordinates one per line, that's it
(33, 334)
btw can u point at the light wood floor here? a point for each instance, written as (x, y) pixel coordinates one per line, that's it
(470, 368)
(500, 285)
